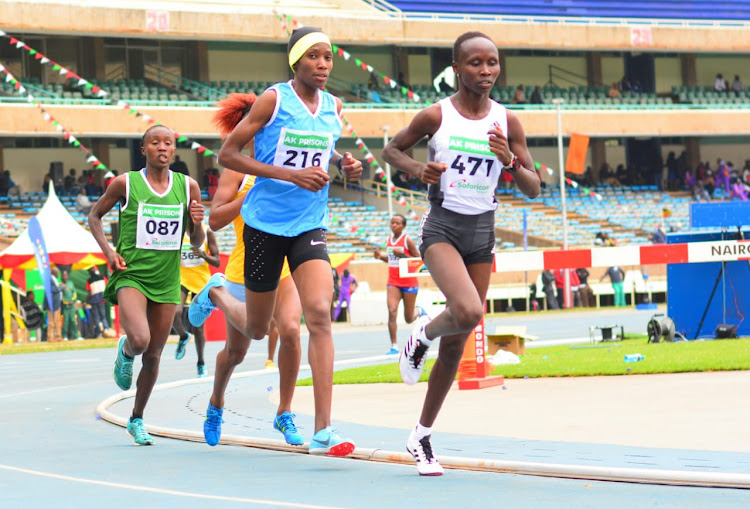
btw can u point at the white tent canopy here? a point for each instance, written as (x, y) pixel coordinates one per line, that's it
(67, 242)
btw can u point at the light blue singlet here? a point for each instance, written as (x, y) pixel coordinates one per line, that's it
(292, 138)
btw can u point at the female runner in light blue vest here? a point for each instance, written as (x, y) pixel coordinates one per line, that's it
(293, 127)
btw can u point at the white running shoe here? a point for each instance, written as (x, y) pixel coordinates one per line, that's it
(412, 358)
(427, 463)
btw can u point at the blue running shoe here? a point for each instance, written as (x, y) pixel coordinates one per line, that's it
(393, 351)
(212, 425)
(180, 352)
(123, 370)
(137, 430)
(285, 424)
(420, 311)
(202, 370)
(328, 441)
(202, 306)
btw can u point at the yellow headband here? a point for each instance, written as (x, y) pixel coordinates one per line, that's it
(305, 43)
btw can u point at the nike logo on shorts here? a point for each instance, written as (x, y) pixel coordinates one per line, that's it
(316, 243)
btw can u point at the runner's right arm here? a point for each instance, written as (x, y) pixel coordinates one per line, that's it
(114, 193)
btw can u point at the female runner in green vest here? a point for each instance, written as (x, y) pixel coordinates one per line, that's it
(156, 207)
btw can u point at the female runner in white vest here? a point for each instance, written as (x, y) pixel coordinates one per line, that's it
(472, 140)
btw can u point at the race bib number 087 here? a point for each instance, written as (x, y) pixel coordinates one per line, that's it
(159, 227)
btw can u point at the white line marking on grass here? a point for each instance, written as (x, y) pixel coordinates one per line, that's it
(165, 491)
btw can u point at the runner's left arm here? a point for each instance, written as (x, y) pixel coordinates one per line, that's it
(212, 257)
(347, 164)
(195, 217)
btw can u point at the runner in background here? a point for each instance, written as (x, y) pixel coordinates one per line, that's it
(399, 245)
(194, 274)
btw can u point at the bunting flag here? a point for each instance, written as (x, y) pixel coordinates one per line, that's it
(287, 22)
(380, 174)
(576, 162)
(101, 93)
(572, 183)
(67, 135)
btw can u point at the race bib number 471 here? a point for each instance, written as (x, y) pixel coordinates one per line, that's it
(159, 227)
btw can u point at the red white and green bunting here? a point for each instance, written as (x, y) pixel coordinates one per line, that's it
(572, 183)
(69, 137)
(380, 174)
(101, 93)
(287, 22)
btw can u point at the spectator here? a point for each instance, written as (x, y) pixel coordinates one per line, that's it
(69, 182)
(46, 183)
(402, 80)
(622, 175)
(560, 284)
(68, 298)
(585, 293)
(745, 172)
(212, 182)
(372, 81)
(614, 91)
(347, 287)
(616, 276)
(739, 190)
(179, 166)
(536, 96)
(548, 282)
(700, 193)
(722, 175)
(520, 95)
(625, 84)
(444, 87)
(32, 314)
(83, 204)
(373, 94)
(95, 286)
(4, 183)
(53, 315)
(659, 237)
(737, 84)
(719, 84)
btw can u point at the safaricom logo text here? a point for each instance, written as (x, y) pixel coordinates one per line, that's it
(466, 186)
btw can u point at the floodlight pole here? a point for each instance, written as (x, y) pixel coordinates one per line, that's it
(558, 101)
(385, 129)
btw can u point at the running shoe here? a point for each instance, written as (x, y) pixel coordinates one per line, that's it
(427, 463)
(202, 370)
(412, 358)
(420, 311)
(212, 425)
(179, 353)
(137, 430)
(393, 351)
(270, 364)
(202, 307)
(123, 370)
(285, 424)
(328, 441)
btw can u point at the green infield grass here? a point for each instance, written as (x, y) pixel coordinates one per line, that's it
(590, 360)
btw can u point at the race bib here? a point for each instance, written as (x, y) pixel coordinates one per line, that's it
(473, 169)
(159, 227)
(188, 258)
(301, 149)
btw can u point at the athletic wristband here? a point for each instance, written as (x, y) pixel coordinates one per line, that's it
(513, 166)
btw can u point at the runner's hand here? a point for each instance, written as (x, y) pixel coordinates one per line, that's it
(312, 178)
(116, 261)
(196, 212)
(431, 172)
(352, 167)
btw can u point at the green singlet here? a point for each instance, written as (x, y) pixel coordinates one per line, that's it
(151, 230)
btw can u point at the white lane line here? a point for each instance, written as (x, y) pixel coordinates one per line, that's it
(46, 389)
(167, 492)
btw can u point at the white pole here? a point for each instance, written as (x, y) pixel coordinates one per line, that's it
(561, 171)
(385, 129)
